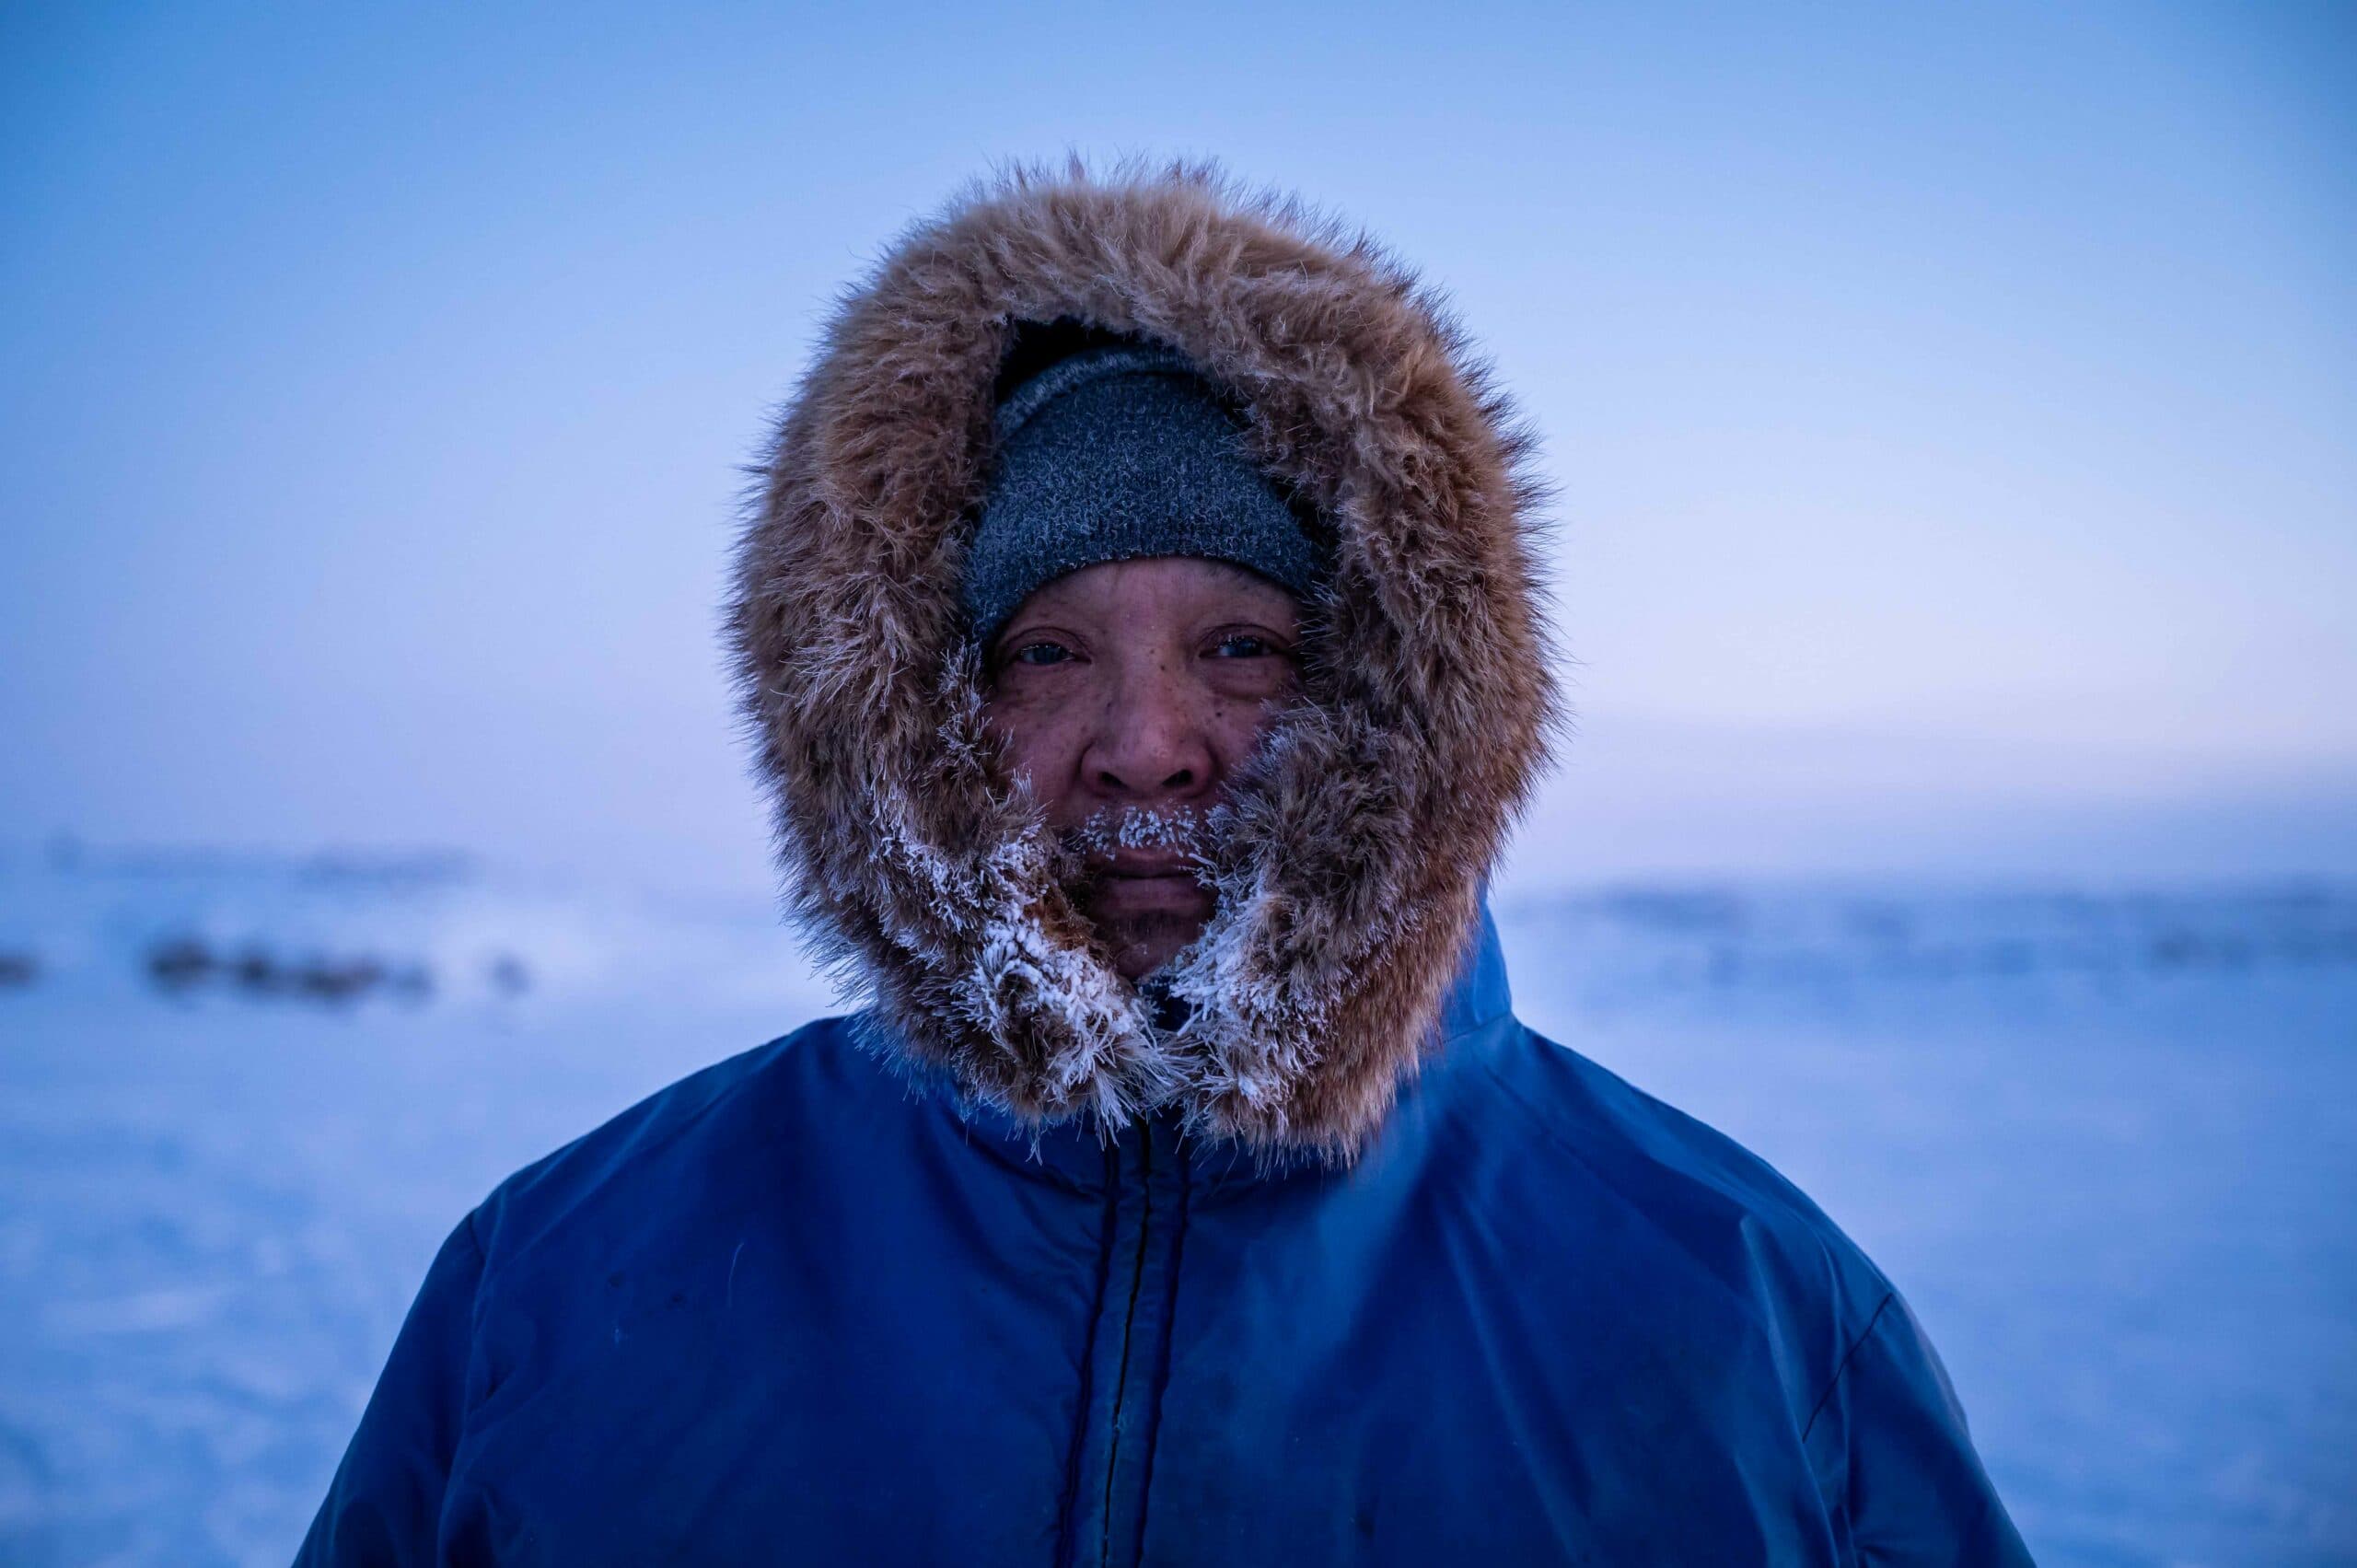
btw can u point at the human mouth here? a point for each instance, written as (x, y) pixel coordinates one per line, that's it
(1138, 882)
(1132, 864)
(1151, 866)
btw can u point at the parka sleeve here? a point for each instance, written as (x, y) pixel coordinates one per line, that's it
(384, 1508)
(1917, 1495)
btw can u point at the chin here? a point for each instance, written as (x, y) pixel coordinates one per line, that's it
(1143, 943)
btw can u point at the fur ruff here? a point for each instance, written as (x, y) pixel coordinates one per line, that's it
(1361, 833)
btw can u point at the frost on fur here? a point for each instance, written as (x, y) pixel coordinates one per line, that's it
(1348, 870)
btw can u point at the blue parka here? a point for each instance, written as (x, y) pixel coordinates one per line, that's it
(1305, 1252)
(789, 1311)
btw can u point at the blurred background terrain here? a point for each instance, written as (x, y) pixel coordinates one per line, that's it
(1949, 413)
(2104, 1142)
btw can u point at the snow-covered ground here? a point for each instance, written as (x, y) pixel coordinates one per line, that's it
(2105, 1142)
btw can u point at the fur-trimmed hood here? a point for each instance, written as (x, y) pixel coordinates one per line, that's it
(1361, 833)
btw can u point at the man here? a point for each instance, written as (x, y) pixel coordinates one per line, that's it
(1137, 625)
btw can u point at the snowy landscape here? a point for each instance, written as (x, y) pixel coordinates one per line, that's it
(2105, 1140)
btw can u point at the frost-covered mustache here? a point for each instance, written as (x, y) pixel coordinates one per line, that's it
(1088, 847)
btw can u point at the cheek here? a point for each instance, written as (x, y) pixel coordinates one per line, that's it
(1042, 748)
(1235, 727)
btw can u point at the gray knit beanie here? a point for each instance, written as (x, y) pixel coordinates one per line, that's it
(1114, 453)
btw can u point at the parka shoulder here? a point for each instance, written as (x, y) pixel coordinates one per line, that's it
(1709, 1213)
(655, 1158)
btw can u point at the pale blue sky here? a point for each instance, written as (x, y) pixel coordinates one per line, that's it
(1951, 407)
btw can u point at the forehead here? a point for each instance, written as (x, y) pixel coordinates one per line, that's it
(1161, 585)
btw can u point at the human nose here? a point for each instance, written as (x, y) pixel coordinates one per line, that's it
(1152, 742)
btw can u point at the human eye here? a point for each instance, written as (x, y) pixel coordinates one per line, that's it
(1246, 645)
(1039, 651)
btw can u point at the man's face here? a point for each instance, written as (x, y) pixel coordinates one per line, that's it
(1128, 692)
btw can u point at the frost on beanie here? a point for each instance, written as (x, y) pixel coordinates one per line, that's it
(1113, 453)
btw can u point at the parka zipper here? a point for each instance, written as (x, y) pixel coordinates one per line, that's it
(1146, 1220)
(1128, 1335)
